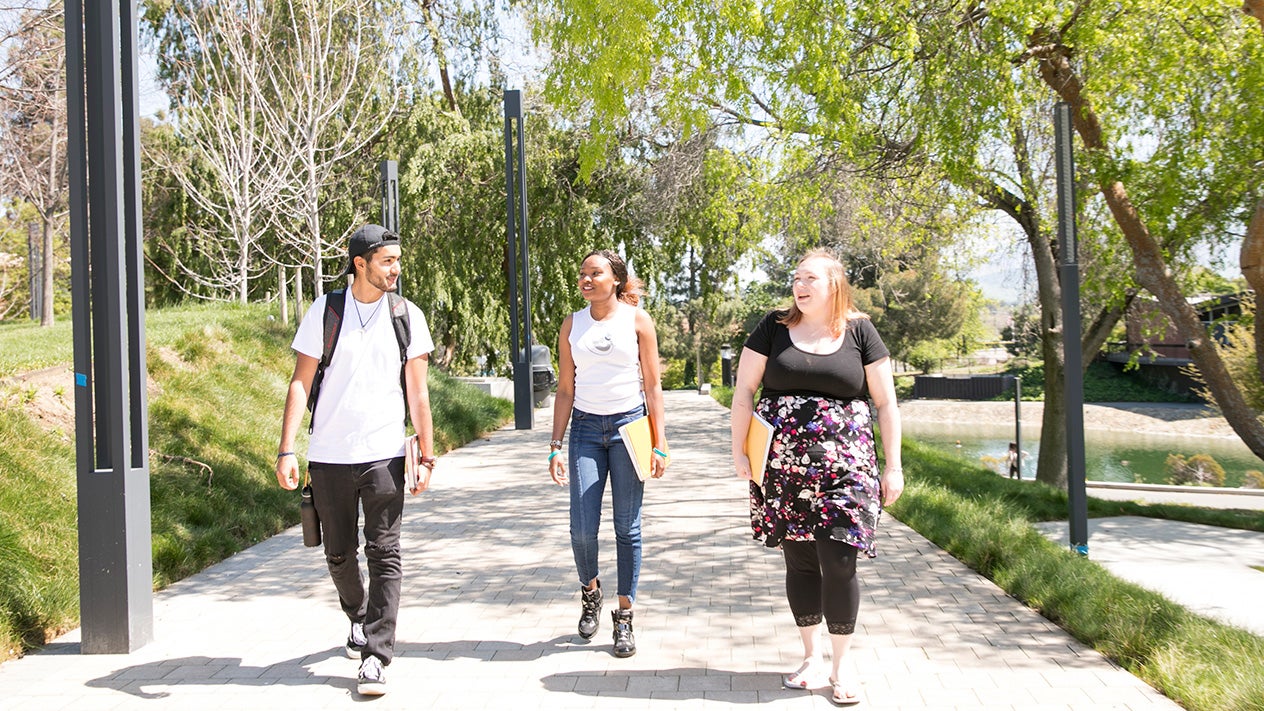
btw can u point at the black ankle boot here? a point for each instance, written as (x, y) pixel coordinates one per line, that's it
(590, 614)
(624, 641)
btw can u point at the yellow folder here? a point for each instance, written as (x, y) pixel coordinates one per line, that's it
(758, 442)
(638, 437)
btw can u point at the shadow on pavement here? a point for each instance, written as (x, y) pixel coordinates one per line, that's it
(219, 671)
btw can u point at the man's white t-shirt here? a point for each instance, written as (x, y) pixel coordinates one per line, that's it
(360, 415)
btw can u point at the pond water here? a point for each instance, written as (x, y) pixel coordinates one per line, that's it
(1108, 456)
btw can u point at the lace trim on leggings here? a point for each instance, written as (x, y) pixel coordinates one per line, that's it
(840, 627)
(807, 620)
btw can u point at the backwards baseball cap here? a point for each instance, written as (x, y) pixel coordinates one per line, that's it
(365, 240)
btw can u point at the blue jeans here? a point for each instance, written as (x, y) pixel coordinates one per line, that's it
(597, 454)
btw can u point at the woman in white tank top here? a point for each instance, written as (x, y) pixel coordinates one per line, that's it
(608, 375)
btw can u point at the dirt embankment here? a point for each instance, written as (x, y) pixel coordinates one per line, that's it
(47, 396)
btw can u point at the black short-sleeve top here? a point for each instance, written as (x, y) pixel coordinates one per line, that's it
(793, 371)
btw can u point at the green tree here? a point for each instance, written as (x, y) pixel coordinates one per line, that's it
(1197, 94)
(709, 222)
(968, 89)
(918, 306)
(1023, 331)
(275, 99)
(228, 157)
(453, 212)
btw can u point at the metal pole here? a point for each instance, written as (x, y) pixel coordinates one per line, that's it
(516, 228)
(112, 459)
(389, 171)
(1018, 422)
(35, 269)
(134, 251)
(390, 194)
(1073, 358)
(524, 259)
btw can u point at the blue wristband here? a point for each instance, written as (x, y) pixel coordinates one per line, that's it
(660, 452)
(552, 454)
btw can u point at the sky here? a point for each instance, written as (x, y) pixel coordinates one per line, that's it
(152, 98)
(1000, 271)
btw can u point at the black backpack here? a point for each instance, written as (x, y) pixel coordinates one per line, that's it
(335, 304)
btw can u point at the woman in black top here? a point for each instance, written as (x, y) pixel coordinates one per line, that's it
(820, 364)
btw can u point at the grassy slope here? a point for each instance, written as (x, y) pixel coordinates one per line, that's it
(218, 381)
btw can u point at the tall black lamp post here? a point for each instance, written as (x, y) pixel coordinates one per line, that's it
(516, 229)
(1073, 358)
(388, 171)
(108, 290)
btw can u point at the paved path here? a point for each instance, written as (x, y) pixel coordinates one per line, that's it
(1205, 497)
(490, 604)
(1205, 568)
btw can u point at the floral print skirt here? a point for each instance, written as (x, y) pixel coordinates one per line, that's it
(822, 475)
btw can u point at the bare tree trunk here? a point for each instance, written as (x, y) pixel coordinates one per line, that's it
(1152, 271)
(283, 300)
(1251, 261)
(55, 179)
(46, 305)
(318, 271)
(1254, 8)
(441, 55)
(1251, 257)
(1051, 464)
(243, 277)
(298, 294)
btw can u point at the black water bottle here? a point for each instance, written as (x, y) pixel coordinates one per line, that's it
(311, 522)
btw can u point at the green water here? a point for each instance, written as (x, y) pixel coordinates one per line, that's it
(1113, 456)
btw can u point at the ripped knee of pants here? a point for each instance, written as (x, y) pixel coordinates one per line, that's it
(377, 551)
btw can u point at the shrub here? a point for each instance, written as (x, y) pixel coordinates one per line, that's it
(1253, 479)
(673, 376)
(1198, 470)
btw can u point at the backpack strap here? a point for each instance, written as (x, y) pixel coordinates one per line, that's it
(403, 336)
(335, 306)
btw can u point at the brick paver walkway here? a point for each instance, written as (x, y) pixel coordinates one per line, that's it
(490, 605)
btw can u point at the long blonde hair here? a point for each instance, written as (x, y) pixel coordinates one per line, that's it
(842, 309)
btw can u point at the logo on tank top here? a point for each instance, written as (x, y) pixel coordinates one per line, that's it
(599, 341)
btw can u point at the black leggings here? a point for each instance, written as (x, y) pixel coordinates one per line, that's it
(821, 577)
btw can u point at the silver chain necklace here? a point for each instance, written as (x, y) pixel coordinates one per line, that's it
(364, 322)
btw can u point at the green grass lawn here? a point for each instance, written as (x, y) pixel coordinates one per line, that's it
(218, 379)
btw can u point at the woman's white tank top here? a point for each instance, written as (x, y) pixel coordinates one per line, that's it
(607, 361)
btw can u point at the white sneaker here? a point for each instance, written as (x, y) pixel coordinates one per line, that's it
(356, 640)
(372, 680)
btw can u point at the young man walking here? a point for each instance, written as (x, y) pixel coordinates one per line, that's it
(356, 450)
